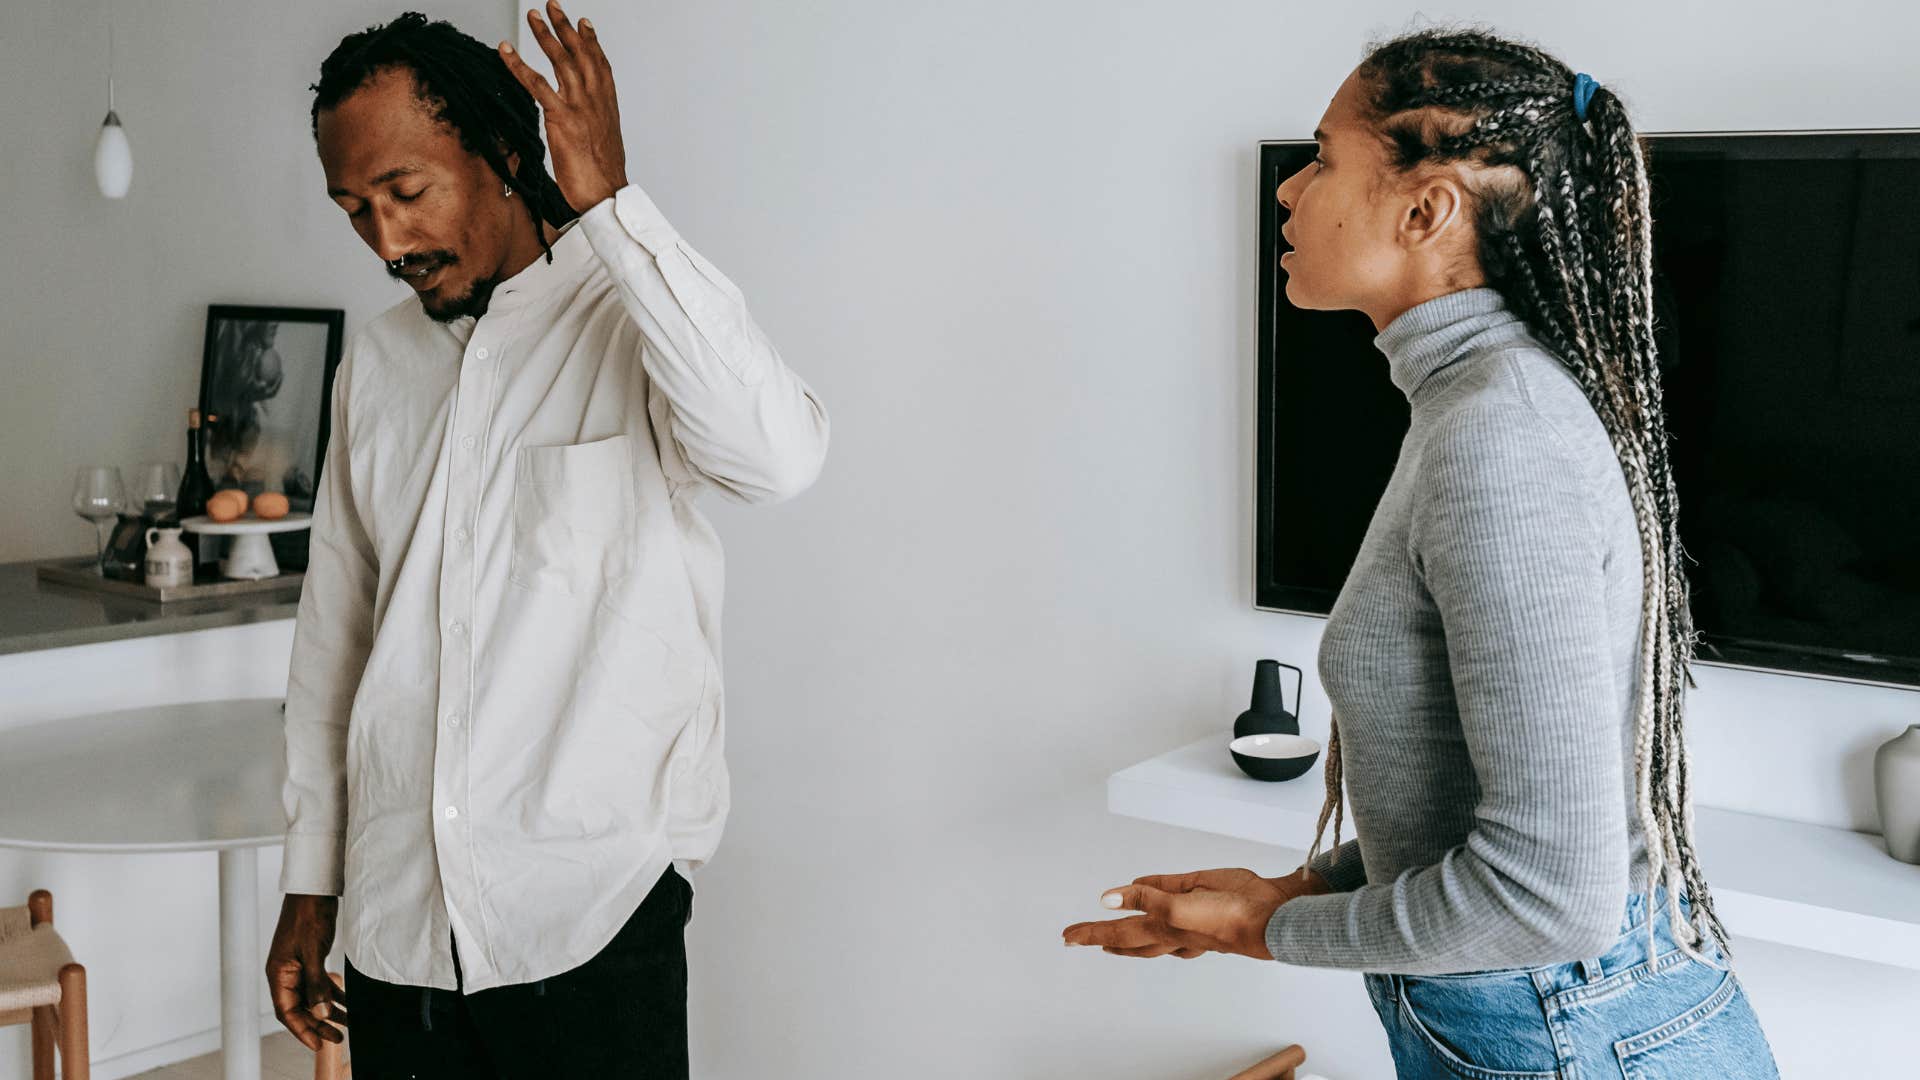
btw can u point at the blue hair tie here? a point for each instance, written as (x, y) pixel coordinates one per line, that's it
(1583, 88)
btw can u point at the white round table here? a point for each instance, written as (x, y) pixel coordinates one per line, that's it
(197, 777)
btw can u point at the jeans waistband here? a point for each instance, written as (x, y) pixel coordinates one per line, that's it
(1633, 948)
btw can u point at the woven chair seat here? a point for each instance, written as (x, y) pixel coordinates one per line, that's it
(30, 961)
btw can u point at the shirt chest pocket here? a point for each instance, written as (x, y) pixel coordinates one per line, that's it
(572, 516)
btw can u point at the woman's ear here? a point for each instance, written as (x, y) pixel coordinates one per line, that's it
(1436, 210)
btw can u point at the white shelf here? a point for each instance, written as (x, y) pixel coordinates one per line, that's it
(1810, 886)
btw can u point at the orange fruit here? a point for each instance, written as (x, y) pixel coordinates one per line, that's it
(227, 505)
(270, 505)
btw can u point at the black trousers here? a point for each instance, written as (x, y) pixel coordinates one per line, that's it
(621, 1014)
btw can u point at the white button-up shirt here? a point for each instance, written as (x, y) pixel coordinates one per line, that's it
(504, 713)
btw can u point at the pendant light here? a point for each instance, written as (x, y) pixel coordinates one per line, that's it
(112, 156)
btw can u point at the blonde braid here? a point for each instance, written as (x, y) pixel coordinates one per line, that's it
(1333, 807)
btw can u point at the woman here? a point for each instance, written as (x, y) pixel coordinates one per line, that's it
(1506, 657)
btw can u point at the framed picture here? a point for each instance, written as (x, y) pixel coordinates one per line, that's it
(266, 386)
(266, 378)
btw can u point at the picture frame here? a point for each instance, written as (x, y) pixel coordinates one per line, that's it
(266, 392)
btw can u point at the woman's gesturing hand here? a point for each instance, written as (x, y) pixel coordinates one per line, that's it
(1186, 915)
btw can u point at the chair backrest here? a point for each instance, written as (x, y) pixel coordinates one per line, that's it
(1280, 1066)
(15, 921)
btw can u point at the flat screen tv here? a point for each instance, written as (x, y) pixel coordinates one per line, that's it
(1787, 299)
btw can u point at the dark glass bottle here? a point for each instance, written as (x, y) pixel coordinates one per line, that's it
(195, 485)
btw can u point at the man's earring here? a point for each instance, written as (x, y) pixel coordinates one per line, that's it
(507, 190)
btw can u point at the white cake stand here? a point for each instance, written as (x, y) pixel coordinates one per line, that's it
(250, 556)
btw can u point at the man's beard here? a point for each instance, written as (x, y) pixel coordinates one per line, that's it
(447, 308)
(474, 303)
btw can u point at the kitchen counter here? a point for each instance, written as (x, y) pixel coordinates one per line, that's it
(41, 615)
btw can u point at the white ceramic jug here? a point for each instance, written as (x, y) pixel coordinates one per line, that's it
(169, 562)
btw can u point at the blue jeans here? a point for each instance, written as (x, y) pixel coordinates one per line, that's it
(1614, 1016)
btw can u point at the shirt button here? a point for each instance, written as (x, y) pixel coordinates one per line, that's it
(466, 442)
(453, 719)
(452, 813)
(457, 629)
(481, 353)
(460, 535)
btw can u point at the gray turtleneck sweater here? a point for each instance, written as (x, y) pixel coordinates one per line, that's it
(1481, 659)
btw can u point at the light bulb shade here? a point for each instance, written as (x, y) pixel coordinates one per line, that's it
(113, 159)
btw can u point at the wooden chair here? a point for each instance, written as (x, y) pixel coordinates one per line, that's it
(328, 1064)
(41, 985)
(1278, 1067)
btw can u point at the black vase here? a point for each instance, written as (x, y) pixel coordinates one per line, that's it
(1268, 714)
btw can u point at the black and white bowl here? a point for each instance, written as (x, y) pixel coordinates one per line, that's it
(1274, 757)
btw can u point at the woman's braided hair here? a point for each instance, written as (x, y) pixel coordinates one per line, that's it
(1565, 236)
(467, 87)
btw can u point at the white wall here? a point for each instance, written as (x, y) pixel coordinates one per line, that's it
(105, 301)
(1011, 246)
(1011, 243)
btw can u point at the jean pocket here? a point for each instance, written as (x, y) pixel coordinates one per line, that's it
(1719, 1037)
(572, 516)
(1482, 1027)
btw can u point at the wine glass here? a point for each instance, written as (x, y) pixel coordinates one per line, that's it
(98, 496)
(159, 485)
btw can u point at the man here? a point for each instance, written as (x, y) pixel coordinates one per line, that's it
(504, 715)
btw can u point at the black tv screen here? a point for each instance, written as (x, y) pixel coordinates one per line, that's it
(1787, 301)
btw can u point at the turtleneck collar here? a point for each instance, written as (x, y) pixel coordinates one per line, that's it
(1429, 336)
